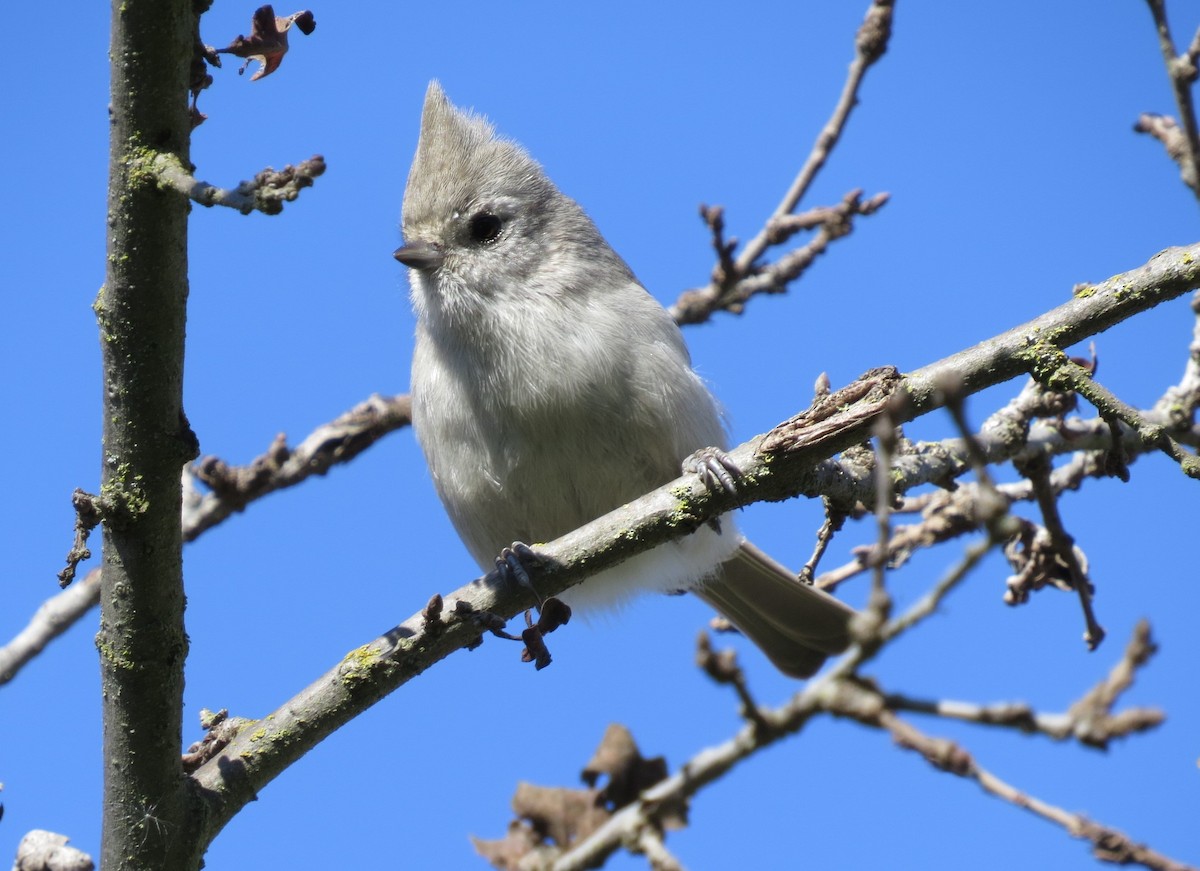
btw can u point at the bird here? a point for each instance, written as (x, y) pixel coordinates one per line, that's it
(549, 387)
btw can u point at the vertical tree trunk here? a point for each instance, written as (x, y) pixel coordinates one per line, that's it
(148, 819)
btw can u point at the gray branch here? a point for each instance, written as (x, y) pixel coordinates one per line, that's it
(266, 193)
(776, 465)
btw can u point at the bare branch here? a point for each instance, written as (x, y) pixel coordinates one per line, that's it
(650, 843)
(1108, 844)
(1089, 721)
(732, 285)
(88, 515)
(842, 693)
(928, 604)
(835, 518)
(266, 193)
(1065, 553)
(735, 280)
(1094, 723)
(870, 44)
(1182, 145)
(776, 465)
(55, 616)
(40, 850)
(232, 488)
(724, 670)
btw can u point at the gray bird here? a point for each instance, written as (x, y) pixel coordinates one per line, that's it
(549, 387)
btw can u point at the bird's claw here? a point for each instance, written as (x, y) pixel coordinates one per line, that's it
(714, 468)
(514, 563)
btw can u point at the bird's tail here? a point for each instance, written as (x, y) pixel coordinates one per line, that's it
(796, 625)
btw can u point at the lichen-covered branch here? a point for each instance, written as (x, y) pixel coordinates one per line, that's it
(776, 465)
(842, 482)
(1053, 367)
(141, 312)
(232, 489)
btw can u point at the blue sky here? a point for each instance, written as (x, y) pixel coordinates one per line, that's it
(1004, 138)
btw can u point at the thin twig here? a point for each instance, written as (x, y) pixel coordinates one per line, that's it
(734, 280)
(649, 842)
(1090, 720)
(234, 487)
(1182, 72)
(723, 668)
(53, 617)
(841, 692)
(870, 45)
(1108, 844)
(880, 602)
(928, 604)
(266, 193)
(1113, 409)
(834, 519)
(1037, 470)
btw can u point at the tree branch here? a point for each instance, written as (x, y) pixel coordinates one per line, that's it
(776, 465)
(232, 488)
(735, 280)
(266, 193)
(870, 45)
(1108, 844)
(54, 617)
(843, 693)
(1182, 145)
(1090, 721)
(842, 481)
(141, 312)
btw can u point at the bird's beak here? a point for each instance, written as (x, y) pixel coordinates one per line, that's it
(420, 255)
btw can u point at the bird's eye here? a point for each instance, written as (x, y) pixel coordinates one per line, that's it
(485, 228)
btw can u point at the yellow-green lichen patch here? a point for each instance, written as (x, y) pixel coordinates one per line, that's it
(357, 664)
(123, 495)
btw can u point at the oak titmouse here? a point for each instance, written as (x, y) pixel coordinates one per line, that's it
(549, 387)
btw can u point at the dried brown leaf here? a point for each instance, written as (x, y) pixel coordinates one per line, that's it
(267, 42)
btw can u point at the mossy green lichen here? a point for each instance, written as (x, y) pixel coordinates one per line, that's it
(110, 654)
(122, 494)
(357, 665)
